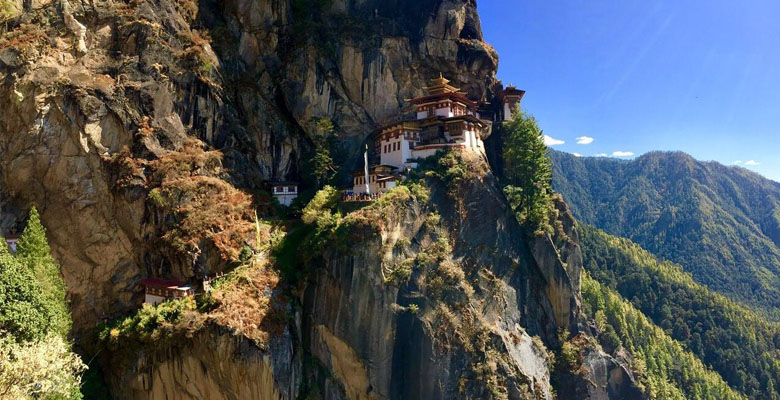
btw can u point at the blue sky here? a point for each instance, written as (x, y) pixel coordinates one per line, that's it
(692, 75)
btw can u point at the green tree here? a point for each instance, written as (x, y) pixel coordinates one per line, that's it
(25, 315)
(318, 211)
(321, 165)
(528, 171)
(33, 251)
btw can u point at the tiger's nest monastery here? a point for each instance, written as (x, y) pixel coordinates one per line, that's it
(444, 118)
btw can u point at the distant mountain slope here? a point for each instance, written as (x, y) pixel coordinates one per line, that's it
(721, 223)
(736, 343)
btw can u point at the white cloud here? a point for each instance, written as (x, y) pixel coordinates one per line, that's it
(585, 140)
(552, 141)
(738, 162)
(576, 154)
(752, 163)
(602, 155)
(622, 154)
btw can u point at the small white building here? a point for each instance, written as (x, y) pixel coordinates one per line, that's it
(284, 192)
(12, 241)
(158, 290)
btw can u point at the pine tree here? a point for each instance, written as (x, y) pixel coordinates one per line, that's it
(528, 171)
(24, 315)
(34, 252)
(320, 163)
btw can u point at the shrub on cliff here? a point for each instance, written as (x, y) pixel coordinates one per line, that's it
(150, 324)
(319, 210)
(8, 9)
(528, 171)
(195, 205)
(42, 369)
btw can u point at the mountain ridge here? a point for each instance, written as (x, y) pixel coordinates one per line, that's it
(720, 223)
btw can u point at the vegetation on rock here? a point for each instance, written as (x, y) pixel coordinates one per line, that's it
(8, 9)
(194, 205)
(242, 301)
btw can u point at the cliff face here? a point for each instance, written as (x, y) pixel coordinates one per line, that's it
(245, 77)
(470, 316)
(211, 365)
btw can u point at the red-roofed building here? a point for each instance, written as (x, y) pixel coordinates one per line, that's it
(159, 290)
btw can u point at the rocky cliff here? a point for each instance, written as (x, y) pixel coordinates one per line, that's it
(441, 300)
(245, 77)
(143, 131)
(211, 365)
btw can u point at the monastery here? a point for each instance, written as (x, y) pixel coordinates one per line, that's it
(444, 118)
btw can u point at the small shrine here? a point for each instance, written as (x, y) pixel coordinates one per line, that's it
(158, 290)
(284, 192)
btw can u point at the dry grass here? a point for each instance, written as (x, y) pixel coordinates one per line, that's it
(247, 304)
(188, 9)
(207, 208)
(194, 205)
(204, 206)
(25, 35)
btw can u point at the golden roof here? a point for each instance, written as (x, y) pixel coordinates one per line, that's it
(440, 85)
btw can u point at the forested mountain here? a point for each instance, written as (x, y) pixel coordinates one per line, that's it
(722, 224)
(732, 340)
